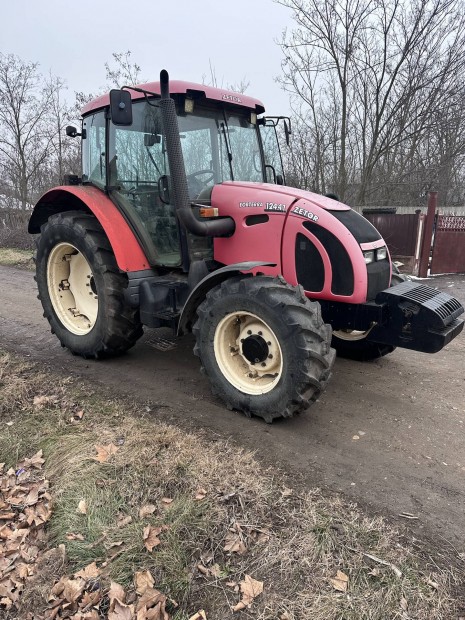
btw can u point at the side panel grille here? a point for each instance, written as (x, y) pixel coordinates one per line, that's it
(341, 265)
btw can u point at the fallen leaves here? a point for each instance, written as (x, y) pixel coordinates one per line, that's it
(200, 495)
(200, 615)
(121, 611)
(89, 572)
(104, 453)
(80, 598)
(25, 507)
(250, 589)
(340, 582)
(40, 402)
(73, 536)
(123, 520)
(143, 581)
(213, 571)
(234, 541)
(82, 507)
(151, 534)
(147, 510)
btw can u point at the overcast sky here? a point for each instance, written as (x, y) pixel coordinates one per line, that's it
(74, 40)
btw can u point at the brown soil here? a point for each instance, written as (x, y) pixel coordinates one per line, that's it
(387, 434)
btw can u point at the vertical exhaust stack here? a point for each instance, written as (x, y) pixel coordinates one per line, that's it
(218, 228)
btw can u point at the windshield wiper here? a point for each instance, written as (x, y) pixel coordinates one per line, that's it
(228, 148)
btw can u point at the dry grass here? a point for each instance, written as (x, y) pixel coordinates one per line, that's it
(17, 258)
(295, 542)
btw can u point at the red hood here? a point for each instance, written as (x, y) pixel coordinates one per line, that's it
(322, 201)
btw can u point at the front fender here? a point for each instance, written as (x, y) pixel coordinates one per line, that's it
(127, 250)
(216, 277)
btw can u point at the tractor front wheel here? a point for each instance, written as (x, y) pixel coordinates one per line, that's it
(82, 289)
(263, 345)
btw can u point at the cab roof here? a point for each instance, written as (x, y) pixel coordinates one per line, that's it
(184, 88)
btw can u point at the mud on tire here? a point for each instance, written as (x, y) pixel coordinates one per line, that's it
(115, 326)
(287, 334)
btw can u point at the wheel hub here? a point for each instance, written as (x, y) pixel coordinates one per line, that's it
(248, 352)
(255, 349)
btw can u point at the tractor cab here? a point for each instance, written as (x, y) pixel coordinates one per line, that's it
(221, 137)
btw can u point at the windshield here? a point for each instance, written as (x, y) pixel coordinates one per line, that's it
(217, 146)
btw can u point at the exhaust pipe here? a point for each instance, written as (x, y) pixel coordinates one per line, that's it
(217, 228)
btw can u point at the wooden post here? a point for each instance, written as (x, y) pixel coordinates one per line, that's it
(428, 234)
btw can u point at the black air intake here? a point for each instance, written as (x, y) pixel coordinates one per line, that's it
(217, 228)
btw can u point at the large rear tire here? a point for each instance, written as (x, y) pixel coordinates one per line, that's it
(81, 288)
(264, 346)
(356, 345)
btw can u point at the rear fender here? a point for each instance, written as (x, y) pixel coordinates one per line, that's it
(127, 250)
(216, 277)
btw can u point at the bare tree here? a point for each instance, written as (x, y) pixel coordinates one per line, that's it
(25, 133)
(212, 80)
(123, 72)
(370, 78)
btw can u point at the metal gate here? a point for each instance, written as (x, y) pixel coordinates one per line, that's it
(403, 234)
(449, 245)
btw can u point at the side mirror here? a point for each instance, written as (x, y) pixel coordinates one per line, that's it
(121, 107)
(71, 131)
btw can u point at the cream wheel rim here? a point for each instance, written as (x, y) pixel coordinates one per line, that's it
(71, 288)
(352, 335)
(248, 353)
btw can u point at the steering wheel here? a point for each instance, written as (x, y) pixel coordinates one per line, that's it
(195, 184)
(197, 173)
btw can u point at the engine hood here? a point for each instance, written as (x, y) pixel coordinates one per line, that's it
(260, 192)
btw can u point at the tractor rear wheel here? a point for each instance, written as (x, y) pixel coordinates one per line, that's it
(82, 289)
(263, 345)
(355, 345)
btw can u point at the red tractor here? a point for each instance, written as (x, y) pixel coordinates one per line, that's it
(182, 218)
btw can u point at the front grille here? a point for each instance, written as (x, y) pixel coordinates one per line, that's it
(379, 274)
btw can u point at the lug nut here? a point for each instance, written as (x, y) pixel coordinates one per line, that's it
(260, 333)
(269, 344)
(270, 356)
(242, 339)
(249, 331)
(263, 364)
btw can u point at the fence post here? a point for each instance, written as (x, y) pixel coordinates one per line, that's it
(428, 234)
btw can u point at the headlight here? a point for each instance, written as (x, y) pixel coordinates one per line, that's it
(369, 256)
(381, 253)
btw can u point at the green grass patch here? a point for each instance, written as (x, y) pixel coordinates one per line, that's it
(16, 258)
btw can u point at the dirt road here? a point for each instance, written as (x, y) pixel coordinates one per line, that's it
(388, 434)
